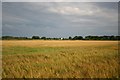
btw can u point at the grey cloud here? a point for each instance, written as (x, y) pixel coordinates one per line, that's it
(60, 1)
(59, 19)
(0, 18)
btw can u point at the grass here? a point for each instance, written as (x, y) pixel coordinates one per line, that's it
(60, 59)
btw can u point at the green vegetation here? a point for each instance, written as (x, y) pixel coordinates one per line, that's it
(69, 38)
(60, 59)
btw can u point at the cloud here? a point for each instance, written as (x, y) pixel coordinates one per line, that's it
(59, 19)
(67, 10)
(60, 0)
(0, 19)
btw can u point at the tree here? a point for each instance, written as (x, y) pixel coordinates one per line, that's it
(43, 38)
(70, 38)
(77, 38)
(80, 37)
(112, 37)
(7, 37)
(35, 37)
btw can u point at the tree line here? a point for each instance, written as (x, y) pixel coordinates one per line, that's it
(69, 38)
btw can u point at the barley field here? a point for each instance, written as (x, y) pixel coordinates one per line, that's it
(59, 59)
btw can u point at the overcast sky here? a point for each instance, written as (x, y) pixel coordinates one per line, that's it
(59, 19)
(60, 0)
(0, 19)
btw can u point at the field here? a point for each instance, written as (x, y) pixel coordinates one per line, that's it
(59, 59)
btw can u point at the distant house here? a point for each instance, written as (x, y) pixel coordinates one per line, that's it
(61, 38)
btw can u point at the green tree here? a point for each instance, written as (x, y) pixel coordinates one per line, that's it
(70, 38)
(77, 38)
(35, 37)
(43, 38)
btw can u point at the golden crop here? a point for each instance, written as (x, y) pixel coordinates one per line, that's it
(59, 59)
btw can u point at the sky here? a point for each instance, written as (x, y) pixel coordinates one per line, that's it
(59, 19)
(0, 19)
(60, 0)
